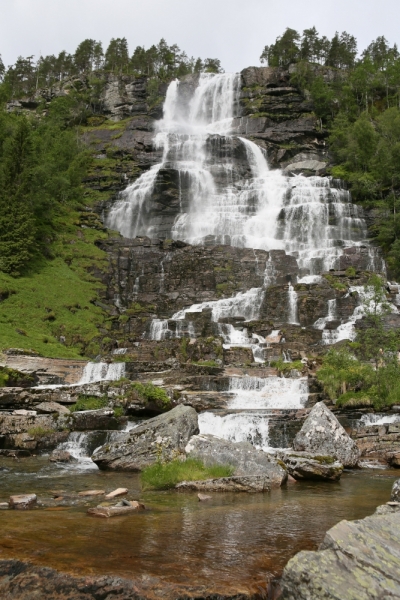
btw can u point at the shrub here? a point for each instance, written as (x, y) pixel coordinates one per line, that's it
(286, 367)
(152, 393)
(89, 403)
(165, 476)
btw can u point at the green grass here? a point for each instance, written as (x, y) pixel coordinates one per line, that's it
(152, 393)
(88, 403)
(39, 432)
(165, 476)
(354, 400)
(286, 367)
(56, 297)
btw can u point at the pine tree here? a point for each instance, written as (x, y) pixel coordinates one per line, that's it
(17, 224)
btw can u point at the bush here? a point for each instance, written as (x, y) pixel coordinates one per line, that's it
(152, 393)
(165, 476)
(89, 403)
(286, 367)
(355, 400)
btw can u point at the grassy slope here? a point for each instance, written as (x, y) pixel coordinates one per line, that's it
(54, 299)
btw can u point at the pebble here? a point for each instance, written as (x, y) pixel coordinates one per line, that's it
(92, 493)
(23, 501)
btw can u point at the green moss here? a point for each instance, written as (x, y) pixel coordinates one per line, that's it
(166, 476)
(206, 363)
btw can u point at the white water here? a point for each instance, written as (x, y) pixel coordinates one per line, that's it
(102, 372)
(251, 395)
(239, 427)
(378, 419)
(292, 301)
(78, 446)
(271, 392)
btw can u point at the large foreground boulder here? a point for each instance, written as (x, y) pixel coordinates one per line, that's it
(323, 434)
(242, 456)
(163, 437)
(358, 560)
(395, 497)
(305, 465)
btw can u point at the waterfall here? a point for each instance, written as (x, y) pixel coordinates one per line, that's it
(271, 392)
(254, 396)
(292, 301)
(102, 372)
(237, 427)
(241, 202)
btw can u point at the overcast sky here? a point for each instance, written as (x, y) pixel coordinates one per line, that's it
(235, 31)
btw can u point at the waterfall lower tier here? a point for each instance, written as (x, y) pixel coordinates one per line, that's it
(102, 372)
(253, 397)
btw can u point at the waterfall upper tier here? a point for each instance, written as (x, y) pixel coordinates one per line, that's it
(213, 185)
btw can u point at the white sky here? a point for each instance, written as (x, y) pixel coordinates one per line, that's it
(235, 31)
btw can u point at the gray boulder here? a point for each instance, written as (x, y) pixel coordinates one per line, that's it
(358, 560)
(305, 465)
(395, 497)
(163, 437)
(243, 457)
(323, 434)
(255, 483)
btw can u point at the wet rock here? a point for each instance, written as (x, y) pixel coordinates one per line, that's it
(20, 581)
(92, 493)
(164, 436)
(21, 412)
(323, 434)
(379, 442)
(61, 456)
(395, 460)
(105, 512)
(203, 497)
(23, 502)
(395, 496)
(255, 483)
(243, 457)
(93, 420)
(52, 407)
(116, 493)
(305, 465)
(357, 560)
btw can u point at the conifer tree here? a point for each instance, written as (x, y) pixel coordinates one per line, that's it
(17, 224)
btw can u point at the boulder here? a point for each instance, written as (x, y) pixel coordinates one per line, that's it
(395, 497)
(246, 460)
(61, 456)
(164, 436)
(100, 419)
(51, 407)
(358, 560)
(254, 483)
(322, 434)
(23, 501)
(305, 465)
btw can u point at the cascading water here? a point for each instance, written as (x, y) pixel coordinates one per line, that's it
(102, 372)
(292, 301)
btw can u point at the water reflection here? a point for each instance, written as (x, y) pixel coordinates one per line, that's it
(234, 541)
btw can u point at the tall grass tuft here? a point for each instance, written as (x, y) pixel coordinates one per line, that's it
(165, 476)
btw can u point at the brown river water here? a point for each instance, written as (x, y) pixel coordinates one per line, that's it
(236, 541)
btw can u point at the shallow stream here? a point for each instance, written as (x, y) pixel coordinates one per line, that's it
(232, 543)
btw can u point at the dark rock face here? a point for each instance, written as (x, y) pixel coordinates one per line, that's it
(164, 436)
(348, 563)
(246, 460)
(20, 581)
(323, 434)
(305, 465)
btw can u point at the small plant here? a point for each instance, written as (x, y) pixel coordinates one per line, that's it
(355, 400)
(286, 367)
(165, 476)
(118, 411)
(89, 403)
(40, 432)
(206, 363)
(351, 272)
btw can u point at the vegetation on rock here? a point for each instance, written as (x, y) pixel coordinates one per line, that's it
(164, 476)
